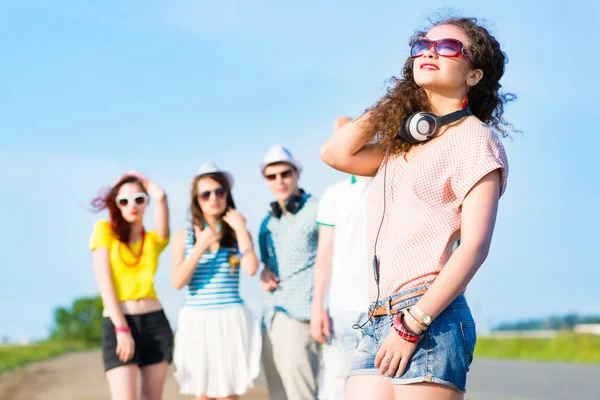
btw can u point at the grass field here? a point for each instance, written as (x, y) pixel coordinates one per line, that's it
(16, 356)
(576, 348)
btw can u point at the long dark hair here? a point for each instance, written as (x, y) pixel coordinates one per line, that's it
(107, 198)
(405, 97)
(197, 216)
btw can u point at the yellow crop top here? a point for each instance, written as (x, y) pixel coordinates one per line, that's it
(136, 281)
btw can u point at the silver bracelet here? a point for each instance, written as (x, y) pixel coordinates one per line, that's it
(243, 253)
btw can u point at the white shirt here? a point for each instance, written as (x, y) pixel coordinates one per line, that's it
(344, 207)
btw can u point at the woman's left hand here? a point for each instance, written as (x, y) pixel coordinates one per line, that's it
(152, 188)
(235, 220)
(394, 354)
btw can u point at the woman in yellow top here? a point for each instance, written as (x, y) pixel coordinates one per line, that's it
(135, 332)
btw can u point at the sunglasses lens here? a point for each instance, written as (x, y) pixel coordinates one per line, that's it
(419, 47)
(205, 196)
(139, 200)
(448, 47)
(286, 174)
(271, 177)
(122, 202)
(220, 193)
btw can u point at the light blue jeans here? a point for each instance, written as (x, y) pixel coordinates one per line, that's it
(336, 357)
(444, 354)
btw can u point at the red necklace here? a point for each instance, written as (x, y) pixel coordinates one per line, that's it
(138, 257)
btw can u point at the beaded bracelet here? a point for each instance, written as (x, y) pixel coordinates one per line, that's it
(403, 332)
(123, 329)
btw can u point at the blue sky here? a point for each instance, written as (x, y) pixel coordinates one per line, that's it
(91, 90)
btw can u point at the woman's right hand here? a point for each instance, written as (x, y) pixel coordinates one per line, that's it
(340, 122)
(125, 346)
(205, 237)
(349, 151)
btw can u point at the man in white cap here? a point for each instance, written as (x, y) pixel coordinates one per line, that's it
(288, 245)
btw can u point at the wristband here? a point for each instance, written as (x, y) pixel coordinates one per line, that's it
(423, 316)
(123, 329)
(243, 253)
(410, 318)
(403, 333)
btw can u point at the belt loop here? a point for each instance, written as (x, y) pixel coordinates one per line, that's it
(388, 306)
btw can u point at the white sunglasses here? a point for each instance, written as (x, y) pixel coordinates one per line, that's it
(137, 198)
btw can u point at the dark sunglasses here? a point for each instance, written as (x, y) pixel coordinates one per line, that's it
(219, 194)
(285, 174)
(444, 47)
(138, 198)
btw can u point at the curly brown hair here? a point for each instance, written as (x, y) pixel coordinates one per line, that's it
(405, 97)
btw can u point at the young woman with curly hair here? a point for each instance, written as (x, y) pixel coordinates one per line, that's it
(432, 187)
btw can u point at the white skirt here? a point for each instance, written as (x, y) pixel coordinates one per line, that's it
(217, 352)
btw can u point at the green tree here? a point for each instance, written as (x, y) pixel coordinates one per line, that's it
(82, 322)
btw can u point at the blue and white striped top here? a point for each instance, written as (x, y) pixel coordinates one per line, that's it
(215, 284)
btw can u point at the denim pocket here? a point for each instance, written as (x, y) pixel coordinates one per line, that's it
(469, 334)
(382, 327)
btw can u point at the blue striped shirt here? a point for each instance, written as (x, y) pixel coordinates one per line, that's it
(215, 284)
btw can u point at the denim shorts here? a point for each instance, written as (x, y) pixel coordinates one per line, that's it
(443, 356)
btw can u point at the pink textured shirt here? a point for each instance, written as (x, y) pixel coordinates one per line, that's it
(423, 204)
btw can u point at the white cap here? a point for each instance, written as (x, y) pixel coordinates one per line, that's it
(279, 154)
(211, 168)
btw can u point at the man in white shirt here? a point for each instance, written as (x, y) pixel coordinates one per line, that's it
(342, 267)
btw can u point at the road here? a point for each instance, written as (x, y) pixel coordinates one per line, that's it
(79, 376)
(513, 380)
(76, 376)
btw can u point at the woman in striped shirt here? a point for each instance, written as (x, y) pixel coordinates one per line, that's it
(217, 344)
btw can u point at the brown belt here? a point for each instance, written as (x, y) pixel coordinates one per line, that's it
(382, 310)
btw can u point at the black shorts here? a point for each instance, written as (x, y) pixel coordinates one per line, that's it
(153, 340)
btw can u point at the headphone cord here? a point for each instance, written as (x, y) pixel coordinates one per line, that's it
(375, 260)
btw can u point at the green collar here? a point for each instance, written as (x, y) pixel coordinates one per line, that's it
(353, 179)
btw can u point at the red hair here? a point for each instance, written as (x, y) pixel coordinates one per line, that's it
(107, 198)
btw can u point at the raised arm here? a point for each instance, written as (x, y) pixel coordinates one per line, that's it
(249, 261)
(182, 268)
(348, 149)
(161, 211)
(237, 222)
(161, 215)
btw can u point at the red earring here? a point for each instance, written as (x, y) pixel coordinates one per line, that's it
(465, 102)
